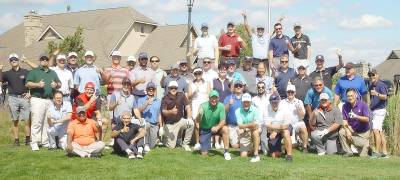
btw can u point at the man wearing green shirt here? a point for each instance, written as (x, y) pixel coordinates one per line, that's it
(211, 120)
(42, 83)
(247, 117)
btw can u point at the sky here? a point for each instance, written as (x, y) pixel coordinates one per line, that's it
(364, 30)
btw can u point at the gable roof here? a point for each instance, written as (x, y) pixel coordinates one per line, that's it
(49, 29)
(102, 29)
(166, 43)
(388, 68)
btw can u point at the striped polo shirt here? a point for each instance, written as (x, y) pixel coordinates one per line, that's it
(117, 74)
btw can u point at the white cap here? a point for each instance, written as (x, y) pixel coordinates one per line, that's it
(173, 84)
(246, 97)
(323, 96)
(72, 54)
(116, 53)
(197, 70)
(131, 58)
(13, 55)
(61, 56)
(89, 53)
(291, 87)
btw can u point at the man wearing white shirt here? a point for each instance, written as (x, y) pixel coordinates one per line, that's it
(65, 77)
(259, 42)
(261, 102)
(208, 73)
(278, 125)
(206, 46)
(296, 111)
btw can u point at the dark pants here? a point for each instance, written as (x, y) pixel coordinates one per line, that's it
(120, 145)
(274, 145)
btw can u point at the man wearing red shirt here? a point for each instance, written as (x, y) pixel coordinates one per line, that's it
(92, 104)
(230, 44)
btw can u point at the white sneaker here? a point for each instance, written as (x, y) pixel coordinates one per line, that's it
(146, 148)
(255, 159)
(321, 153)
(197, 147)
(227, 156)
(187, 148)
(111, 143)
(131, 156)
(35, 147)
(217, 145)
(139, 156)
(354, 149)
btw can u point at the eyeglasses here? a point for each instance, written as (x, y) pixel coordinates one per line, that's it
(290, 92)
(238, 86)
(318, 85)
(261, 87)
(157, 61)
(284, 62)
(278, 29)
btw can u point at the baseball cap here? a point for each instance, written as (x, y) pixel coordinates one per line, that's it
(247, 58)
(13, 56)
(183, 61)
(90, 85)
(126, 81)
(204, 25)
(213, 93)
(143, 55)
(297, 24)
(61, 56)
(301, 67)
(116, 53)
(89, 53)
(319, 57)
(174, 66)
(260, 27)
(72, 54)
(150, 85)
(81, 109)
(323, 96)
(131, 58)
(246, 97)
(238, 82)
(349, 65)
(198, 69)
(231, 61)
(291, 87)
(274, 97)
(173, 84)
(44, 56)
(230, 23)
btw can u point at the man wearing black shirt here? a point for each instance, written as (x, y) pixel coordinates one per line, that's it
(326, 74)
(18, 99)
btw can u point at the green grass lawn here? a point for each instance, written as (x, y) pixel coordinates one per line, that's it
(162, 163)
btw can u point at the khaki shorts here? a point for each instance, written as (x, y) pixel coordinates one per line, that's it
(245, 140)
(233, 135)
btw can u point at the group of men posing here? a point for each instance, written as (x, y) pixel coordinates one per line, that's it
(253, 108)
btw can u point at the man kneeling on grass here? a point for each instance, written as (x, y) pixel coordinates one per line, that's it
(278, 126)
(247, 117)
(128, 137)
(83, 136)
(211, 120)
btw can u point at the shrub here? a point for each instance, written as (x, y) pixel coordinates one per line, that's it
(391, 125)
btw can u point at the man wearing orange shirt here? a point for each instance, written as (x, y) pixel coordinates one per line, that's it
(83, 136)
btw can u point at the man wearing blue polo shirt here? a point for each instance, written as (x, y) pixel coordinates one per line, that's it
(148, 107)
(312, 98)
(350, 80)
(88, 73)
(233, 102)
(283, 75)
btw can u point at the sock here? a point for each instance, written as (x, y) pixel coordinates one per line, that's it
(140, 150)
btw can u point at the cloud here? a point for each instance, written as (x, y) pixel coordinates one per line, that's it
(9, 20)
(30, 2)
(365, 21)
(274, 3)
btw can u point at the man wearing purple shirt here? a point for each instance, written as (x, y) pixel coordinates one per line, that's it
(355, 129)
(378, 94)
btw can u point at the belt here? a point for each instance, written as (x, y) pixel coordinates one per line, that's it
(17, 96)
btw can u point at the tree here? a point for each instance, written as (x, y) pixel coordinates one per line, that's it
(246, 37)
(72, 43)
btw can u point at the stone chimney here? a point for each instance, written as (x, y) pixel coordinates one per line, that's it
(33, 27)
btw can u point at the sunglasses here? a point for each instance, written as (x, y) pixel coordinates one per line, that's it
(143, 59)
(206, 62)
(151, 89)
(290, 92)
(157, 61)
(261, 87)
(183, 64)
(173, 88)
(197, 73)
(44, 59)
(278, 28)
(14, 60)
(284, 62)
(318, 85)
(238, 86)
(371, 75)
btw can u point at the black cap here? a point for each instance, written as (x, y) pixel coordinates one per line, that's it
(44, 56)
(231, 23)
(150, 85)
